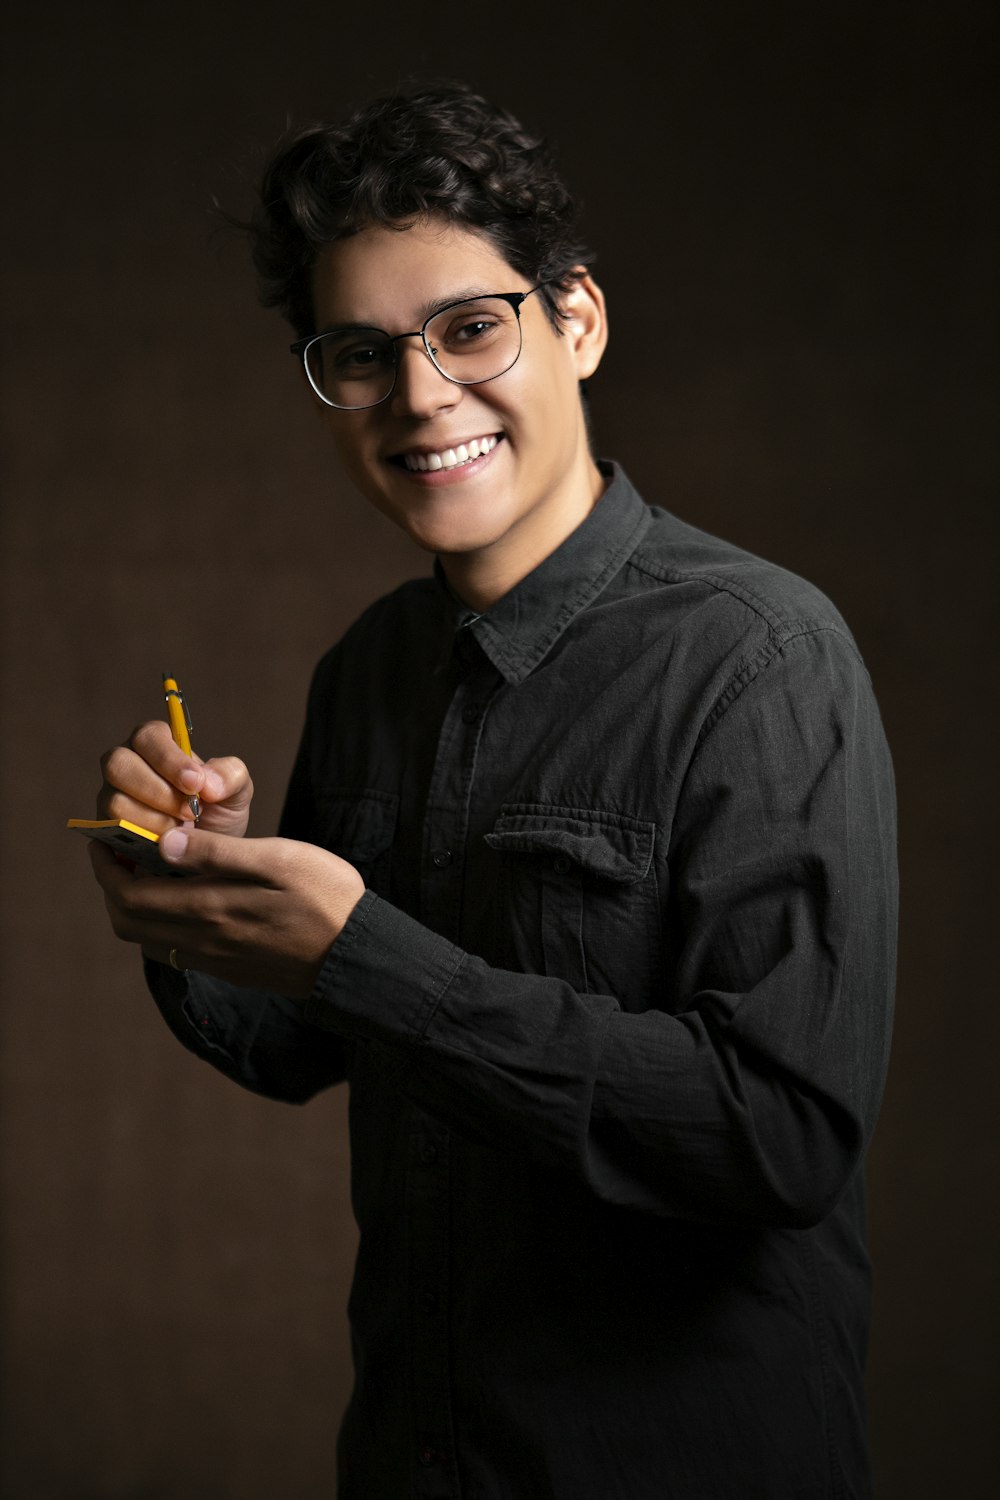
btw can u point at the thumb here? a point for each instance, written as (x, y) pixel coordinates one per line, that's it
(198, 852)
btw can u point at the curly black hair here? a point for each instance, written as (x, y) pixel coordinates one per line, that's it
(431, 149)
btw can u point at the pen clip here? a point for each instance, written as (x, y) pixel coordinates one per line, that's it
(175, 692)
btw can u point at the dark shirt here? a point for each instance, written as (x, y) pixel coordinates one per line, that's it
(615, 1014)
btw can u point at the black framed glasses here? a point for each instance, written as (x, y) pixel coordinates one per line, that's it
(470, 342)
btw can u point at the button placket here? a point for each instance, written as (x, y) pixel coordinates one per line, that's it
(428, 1176)
(447, 819)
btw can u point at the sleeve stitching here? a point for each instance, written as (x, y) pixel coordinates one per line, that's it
(772, 647)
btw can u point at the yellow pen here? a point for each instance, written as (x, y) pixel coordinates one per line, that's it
(180, 727)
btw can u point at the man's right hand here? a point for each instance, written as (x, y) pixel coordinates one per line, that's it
(149, 780)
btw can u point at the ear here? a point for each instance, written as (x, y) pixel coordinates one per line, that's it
(586, 328)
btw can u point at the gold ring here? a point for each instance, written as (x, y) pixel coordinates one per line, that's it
(174, 964)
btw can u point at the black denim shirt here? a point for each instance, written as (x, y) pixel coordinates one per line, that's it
(614, 1010)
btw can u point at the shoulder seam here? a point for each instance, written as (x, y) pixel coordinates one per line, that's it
(772, 647)
(717, 581)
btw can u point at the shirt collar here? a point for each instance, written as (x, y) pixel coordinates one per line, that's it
(522, 627)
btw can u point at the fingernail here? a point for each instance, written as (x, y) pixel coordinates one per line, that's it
(214, 785)
(191, 780)
(173, 843)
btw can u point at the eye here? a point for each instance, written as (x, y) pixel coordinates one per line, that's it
(355, 354)
(468, 332)
(358, 358)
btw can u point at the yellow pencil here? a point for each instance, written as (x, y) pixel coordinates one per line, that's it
(180, 727)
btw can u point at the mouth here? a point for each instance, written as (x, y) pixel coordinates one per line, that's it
(432, 461)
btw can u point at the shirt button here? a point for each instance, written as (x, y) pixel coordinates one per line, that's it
(562, 864)
(441, 858)
(470, 713)
(429, 1153)
(427, 1454)
(428, 1303)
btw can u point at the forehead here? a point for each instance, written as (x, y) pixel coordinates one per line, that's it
(384, 276)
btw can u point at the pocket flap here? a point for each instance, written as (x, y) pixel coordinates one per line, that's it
(608, 845)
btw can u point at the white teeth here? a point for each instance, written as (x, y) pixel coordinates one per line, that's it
(449, 458)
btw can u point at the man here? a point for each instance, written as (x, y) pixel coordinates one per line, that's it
(585, 884)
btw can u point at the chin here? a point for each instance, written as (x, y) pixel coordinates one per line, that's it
(452, 529)
(450, 541)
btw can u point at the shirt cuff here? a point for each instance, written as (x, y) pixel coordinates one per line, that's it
(384, 977)
(169, 987)
(184, 1009)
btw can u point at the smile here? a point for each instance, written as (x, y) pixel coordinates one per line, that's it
(450, 458)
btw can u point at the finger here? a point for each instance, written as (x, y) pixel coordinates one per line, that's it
(274, 865)
(227, 780)
(126, 896)
(222, 779)
(108, 869)
(113, 804)
(150, 781)
(158, 913)
(197, 851)
(143, 775)
(225, 797)
(154, 742)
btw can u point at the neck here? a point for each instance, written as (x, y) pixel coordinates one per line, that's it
(483, 577)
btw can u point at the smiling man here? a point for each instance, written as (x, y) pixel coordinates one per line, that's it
(585, 884)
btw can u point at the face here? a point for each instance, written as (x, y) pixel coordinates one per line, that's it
(494, 517)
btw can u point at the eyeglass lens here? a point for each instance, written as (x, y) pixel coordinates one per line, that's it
(473, 341)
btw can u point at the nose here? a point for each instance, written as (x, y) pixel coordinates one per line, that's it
(421, 389)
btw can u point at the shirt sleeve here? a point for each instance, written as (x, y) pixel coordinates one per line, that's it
(749, 1096)
(257, 1039)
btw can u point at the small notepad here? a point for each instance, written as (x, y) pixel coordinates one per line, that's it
(136, 846)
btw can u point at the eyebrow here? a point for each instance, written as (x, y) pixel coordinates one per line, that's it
(427, 311)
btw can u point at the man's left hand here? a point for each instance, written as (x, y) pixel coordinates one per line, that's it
(257, 912)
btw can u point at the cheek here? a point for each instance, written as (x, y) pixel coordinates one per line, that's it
(527, 407)
(549, 408)
(554, 374)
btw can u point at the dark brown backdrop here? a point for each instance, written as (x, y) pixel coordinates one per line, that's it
(790, 203)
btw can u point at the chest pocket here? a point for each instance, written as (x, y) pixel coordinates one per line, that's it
(360, 827)
(578, 899)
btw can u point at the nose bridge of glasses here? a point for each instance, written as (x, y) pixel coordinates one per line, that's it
(394, 338)
(424, 347)
(418, 383)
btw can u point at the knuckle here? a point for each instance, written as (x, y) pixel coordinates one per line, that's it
(213, 911)
(121, 922)
(233, 772)
(118, 926)
(116, 804)
(148, 736)
(113, 762)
